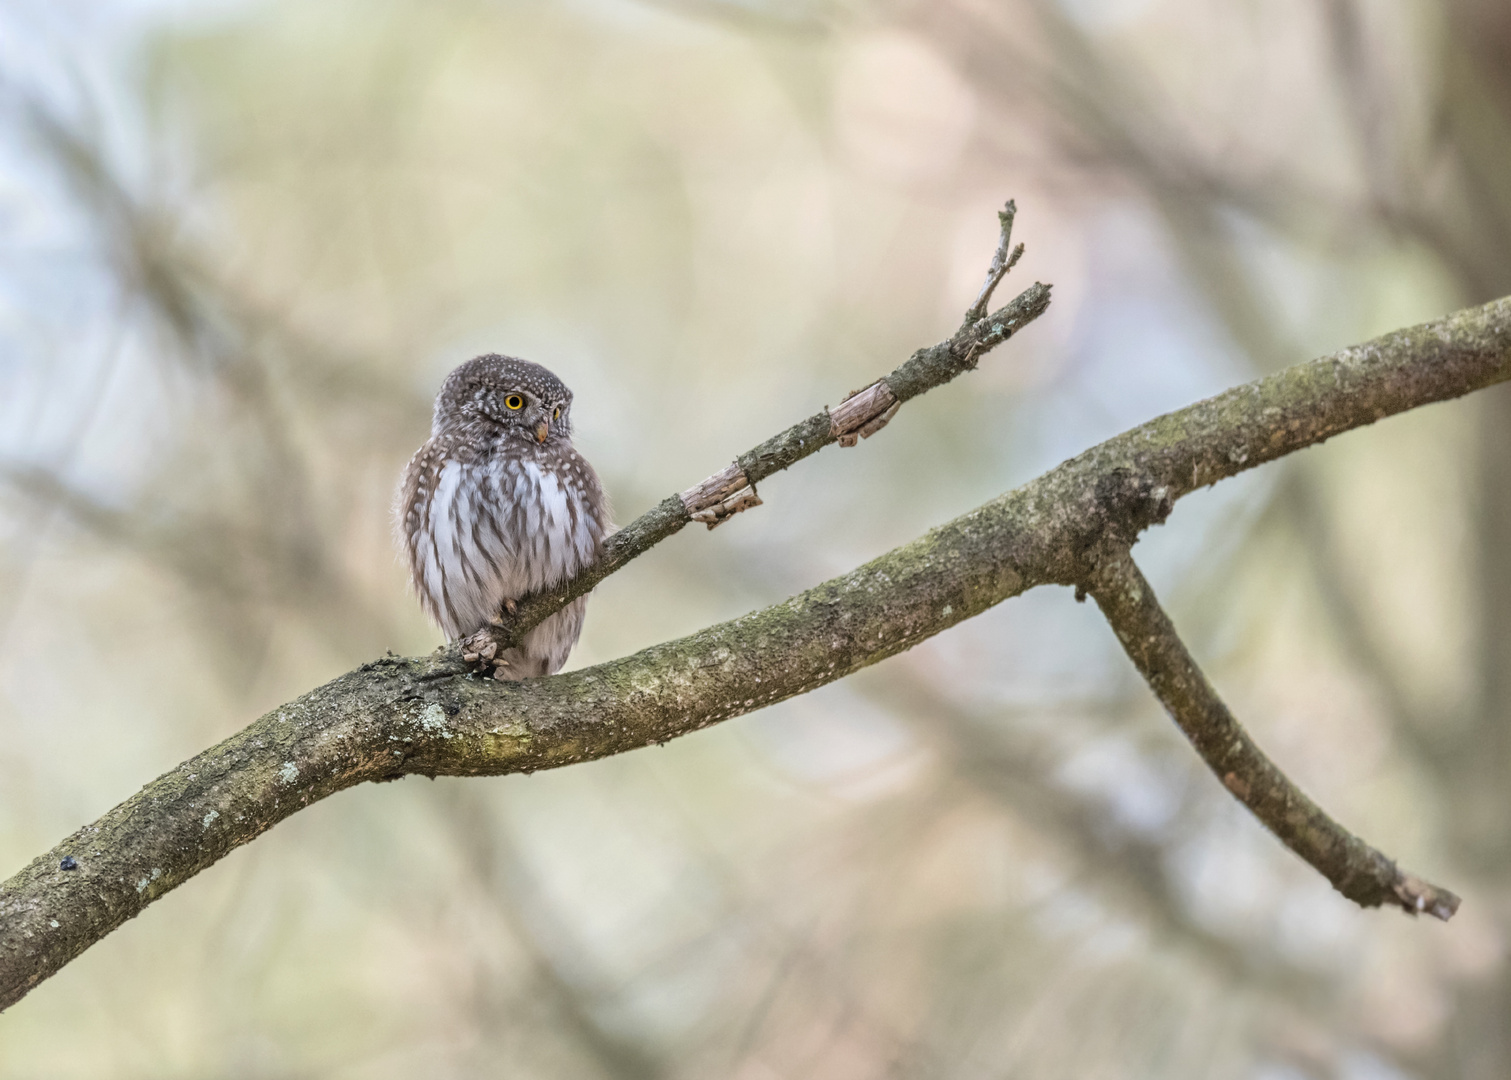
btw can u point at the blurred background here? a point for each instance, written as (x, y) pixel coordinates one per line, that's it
(242, 242)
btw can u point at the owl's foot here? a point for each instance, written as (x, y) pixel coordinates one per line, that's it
(484, 649)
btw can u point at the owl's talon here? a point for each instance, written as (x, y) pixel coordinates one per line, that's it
(510, 605)
(480, 648)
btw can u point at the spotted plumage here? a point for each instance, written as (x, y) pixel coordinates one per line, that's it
(497, 504)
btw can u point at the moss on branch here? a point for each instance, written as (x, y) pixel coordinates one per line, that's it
(422, 715)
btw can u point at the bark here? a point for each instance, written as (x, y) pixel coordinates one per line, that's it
(1366, 876)
(432, 716)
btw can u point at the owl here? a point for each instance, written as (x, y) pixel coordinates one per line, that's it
(497, 504)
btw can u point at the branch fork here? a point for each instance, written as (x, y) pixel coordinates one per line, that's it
(1071, 526)
(1003, 259)
(863, 413)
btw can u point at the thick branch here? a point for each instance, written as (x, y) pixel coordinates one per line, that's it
(1357, 870)
(401, 716)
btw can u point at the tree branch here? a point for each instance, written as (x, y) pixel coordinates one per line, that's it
(1003, 260)
(860, 415)
(1361, 873)
(399, 716)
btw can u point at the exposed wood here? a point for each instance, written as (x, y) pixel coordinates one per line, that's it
(863, 413)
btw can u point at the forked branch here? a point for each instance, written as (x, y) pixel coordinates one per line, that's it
(1357, 870)
(399, 716)
(1003, 259)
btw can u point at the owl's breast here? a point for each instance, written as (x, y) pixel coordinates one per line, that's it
(551, 516)
(481, 528)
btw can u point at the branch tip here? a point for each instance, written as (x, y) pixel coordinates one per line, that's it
(1003, 259)
(1353, 867)
(1423, 898)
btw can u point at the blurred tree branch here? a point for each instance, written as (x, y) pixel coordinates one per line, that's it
(265, 544)
(991, 760)
(427, 716)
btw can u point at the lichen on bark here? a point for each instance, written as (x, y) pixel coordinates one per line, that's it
(430, 716)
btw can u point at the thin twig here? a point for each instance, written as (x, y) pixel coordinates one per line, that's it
(1003, 259)
(732, 489)
(1357, 870)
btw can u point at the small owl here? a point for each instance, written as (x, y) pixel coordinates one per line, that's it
(497, 505)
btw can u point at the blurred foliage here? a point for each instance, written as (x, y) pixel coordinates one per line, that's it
(242, 244)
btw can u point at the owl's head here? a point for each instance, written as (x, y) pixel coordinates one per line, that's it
(504, 392)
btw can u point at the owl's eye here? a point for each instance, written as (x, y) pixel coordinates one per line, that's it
(514, 401)
(557, 414)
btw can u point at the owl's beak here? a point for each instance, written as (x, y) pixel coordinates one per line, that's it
(542, 431)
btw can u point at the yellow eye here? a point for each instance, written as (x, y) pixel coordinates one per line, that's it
(557, 414)
(514, 401)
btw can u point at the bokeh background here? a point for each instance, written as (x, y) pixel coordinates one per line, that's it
(242, 242)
